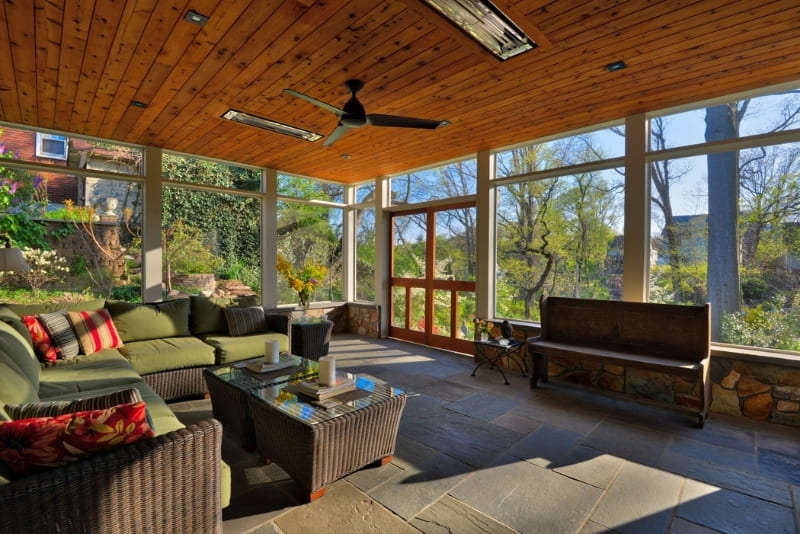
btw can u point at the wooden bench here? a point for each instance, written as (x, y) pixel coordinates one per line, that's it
(665, 338)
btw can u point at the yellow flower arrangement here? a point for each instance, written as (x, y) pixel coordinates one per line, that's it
(483, 326)
(303, 281)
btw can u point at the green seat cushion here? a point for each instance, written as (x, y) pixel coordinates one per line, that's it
(155, 355)
(15, 388)
(233, 349)
(208, 313)
(107, 368)
(139, 322)
(16, 351)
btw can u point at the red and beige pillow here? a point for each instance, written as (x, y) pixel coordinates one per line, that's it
(42, 344)
(30, 445)
(95, 330)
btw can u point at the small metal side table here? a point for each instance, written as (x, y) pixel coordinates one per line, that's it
(311, 338)
(512, 350)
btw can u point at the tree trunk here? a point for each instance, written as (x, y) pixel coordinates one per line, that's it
(724, 289)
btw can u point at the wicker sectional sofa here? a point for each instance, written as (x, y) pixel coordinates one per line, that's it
(173, 482)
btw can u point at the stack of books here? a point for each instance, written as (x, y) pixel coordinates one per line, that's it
(312, 387)
(259, 365)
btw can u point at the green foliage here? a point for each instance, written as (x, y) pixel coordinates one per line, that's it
(186, 252)
(128, 293)
(23, 196)
(766, 325)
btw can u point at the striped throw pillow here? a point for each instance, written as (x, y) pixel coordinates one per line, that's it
(95, 330)
(243, 321)
(61, 334)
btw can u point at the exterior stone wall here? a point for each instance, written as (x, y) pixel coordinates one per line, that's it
(78, 244)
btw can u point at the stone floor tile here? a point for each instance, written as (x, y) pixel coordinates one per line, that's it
(545, 446)
(762, 487)
(779, 466)
(414, 489)
(343, 509)
(635, 443)
(449, 390)
(562, 414)
(448, 515)
(512, 420)
(371, 477)
(729, 511)
(641, 499)
(595, 528)
(528, 498)
(715, 454)
(590, 466)
(483, 406)
(682, 526)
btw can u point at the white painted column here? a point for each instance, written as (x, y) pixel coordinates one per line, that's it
(383, 196)
(152, 276)
(636, 259)
(269, 238)
(485, 264)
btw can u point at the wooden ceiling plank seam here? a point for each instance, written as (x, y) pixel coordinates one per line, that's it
(202, 42)
(105, 22)
(22, 41)
(134, 19)
(75, 31)
(156, 32)
(524, 23)
(220, 84)
(9, 97)
(48, 22)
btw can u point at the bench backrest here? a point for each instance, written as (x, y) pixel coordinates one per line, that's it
(666, 330)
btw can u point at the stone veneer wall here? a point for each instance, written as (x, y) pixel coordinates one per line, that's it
(760, 385)
(360, 318)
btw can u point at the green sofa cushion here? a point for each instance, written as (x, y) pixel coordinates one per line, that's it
(18, 352)
(139, 322)
(208, 313)
(10, 317)
(107, 368)
(155, 355)
(233, 349)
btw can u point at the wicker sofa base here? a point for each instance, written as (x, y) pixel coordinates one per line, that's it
(317, 455)
(178, 383)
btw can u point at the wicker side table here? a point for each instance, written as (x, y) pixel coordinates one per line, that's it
(317, 446)
(311, 339)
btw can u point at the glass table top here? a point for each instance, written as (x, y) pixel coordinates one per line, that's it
(238, 375)
(287, 398)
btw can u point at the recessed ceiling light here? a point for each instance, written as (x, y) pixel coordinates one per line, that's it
(485, 23)
(272, 126)
(195, 18)
(617, 65)
(137, 104)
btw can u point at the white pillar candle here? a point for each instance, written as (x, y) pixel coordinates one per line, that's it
(327, 371)
(271, 351)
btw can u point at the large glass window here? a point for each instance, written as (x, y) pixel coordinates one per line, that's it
(365, 254)
(211, 241)
(445, 182)
(725, 225)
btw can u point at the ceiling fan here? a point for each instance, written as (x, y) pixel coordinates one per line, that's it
(353, 114)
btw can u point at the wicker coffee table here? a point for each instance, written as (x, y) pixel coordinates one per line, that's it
(317, 446)
(229, 385)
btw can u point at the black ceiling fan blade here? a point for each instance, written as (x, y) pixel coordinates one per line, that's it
(335, 135)
(320, 103)
(376, 119)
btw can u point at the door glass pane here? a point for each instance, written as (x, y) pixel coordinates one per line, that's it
(442, 307)
(466, 314)
(399, 307)
(417, 305)
(409, 245)
(455, 244)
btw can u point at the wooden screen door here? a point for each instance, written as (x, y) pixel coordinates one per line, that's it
(432, 289)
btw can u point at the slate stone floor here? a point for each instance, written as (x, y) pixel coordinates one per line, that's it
(477, 456)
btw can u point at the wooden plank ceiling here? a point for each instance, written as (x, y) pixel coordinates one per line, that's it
(76, 65)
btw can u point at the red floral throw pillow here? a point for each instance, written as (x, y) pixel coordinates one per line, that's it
(29, 445)
(42, 344)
